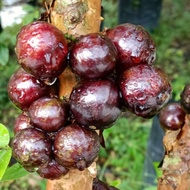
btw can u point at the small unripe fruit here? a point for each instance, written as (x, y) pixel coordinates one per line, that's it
(172, 116)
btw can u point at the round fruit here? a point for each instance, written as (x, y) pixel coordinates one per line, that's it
(99, 185)
(24, 88)
(185, 98)
(95, 103)
(42, 50)
(22, 122)
(31, 148)
(145, 90)
(113, 188)
(48, 114)
(93, 56)
(134, 45)
(52, 170)
(76, 147)
(172, 116)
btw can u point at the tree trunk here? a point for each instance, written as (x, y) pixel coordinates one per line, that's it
(75, 17)
(176, 163)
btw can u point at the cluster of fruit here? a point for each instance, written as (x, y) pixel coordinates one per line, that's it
(115, 73)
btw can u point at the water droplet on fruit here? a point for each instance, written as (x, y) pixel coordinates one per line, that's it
(49, 82)
(139, 37)
(135, 59)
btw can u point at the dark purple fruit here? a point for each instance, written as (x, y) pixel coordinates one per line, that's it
(145, 90)
(52, 170)
(99, 185)
(48, 114)
(76, 147)
(134, 44)
(93, 56)
(23, 89)
(22, 122)
(31, 148)
(172, 116)
(41, 49)
(95, 103)
(185, 98)
(113, 188)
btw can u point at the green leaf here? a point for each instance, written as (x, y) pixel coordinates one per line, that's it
(4, 136)
(4, 54)
(5, 156)
(14, 172)
(158, 170)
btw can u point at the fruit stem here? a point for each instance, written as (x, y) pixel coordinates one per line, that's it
(74, 18)
(176, 161)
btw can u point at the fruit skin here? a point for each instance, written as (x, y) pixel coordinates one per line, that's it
(42, 50)
(172, 116)
(48, 114)
(22, 122)
(95, 103)
(93, 56)
(76, 147)
(145, 90)
(52, 170)
(99, 185)
(185, 98)
(23, 89)
(134, 44)
(31, 148)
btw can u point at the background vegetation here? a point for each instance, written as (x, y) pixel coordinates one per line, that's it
(121, 163)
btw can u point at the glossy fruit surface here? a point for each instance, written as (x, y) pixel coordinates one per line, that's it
(145, 90)
(42, 50)
(93, 56)
(99, 185)
(185, 98)
(134, 44)
(22, 122)
(76, 147)
(48, 114)
(23, 88)
(172, 116)
(52, 170)
(31, 148)
(95, 103)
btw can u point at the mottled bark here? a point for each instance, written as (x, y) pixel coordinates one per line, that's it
(75, 17)
(176, 163)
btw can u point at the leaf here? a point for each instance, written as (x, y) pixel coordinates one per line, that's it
(157, 169)
(5, 156)
(14, 172)
(4, 54)
(4, 136)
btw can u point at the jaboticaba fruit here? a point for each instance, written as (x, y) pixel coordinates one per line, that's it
(48, 114)
(93, 56)
(42, 50)
(22, 122)
(52, 170)
(145, 89)
(172, 116)
(99, 185)
(76, 147)
(31, 148)
(185, 98)
(23, 88)
(134, 45)
(95, 103)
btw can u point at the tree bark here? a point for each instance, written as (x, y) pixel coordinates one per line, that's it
(75, 17)
(176, 163)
